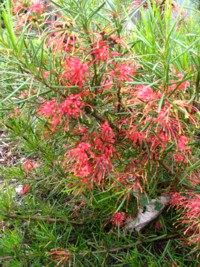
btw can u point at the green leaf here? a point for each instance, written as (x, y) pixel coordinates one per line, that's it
(161, 102)
(96, 11)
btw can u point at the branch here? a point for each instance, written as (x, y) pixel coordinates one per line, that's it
(169, 169)
(94, 113)
(38, 218)
(7, 258)
(93, 252)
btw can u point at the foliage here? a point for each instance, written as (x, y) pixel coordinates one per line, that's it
(105, 110)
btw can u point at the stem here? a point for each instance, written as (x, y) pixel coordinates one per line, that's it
(96, 251)
(7, 258)
(39, 79)
(119, 99)
(37, 218)
(166, 167)
(94, 113)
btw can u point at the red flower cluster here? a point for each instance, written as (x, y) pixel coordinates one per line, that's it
(92, 158)
(75, 72)
(71, 107)
(27, 11)
(28, 165)
(100, 51)
(119, 218)
(178, 84)
(189, 206)
(82, 155)
(37, 7)
(183, 140)
(123, 72)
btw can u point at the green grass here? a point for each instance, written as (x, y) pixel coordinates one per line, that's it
(59, 222)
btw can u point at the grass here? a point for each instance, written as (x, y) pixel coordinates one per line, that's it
(58, 222)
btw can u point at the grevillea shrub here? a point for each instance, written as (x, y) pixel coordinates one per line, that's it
(126, 109)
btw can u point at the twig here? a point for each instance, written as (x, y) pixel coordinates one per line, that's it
(41, 80)
(95, 251)
(7, 258)
(108, 250)
(166, 167)
(38, 218)
(101, 119)
(119, 99)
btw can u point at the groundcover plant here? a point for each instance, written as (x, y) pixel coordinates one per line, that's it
(100, 111)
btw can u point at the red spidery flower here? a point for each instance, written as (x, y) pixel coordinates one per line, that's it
(178, 157)
(102, 166)
(24, 190)
(92, 158)
(75, 72)
(178, 85)
(194, 178)
(123, 72)
(48, 108)
(189, 206)
(166, 123)
(104, 147)
(80, 155)
(60, 37)
(183, 140)
(145, 93)
(158, 139)
(37, 7)
(15, 113)
(107, 83)
(72, 106)
(105, 140)
(100, 51)
(52, 111)
(119, 218)
(135, 135)
(136, 3)
(28, 165)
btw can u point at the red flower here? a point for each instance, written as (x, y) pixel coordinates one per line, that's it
(115, 54)
(119, 218)
(136, 136)
(52, 111)
(183, 140)
(158, 139)
(72, 105)
(49, 108)
(105, 140)
(189, 206)
(194, 179)
(80, 158)
(166, 123)
(123, 72)
(15, 113)
(28, 165)
(37, 7)
(136, 3)
(179, 158)
(75, 71)
(100, 51)
(178, 84)
(24, 190)
(145, 93)
(106, 84)
(60, 38)
(102, 166)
